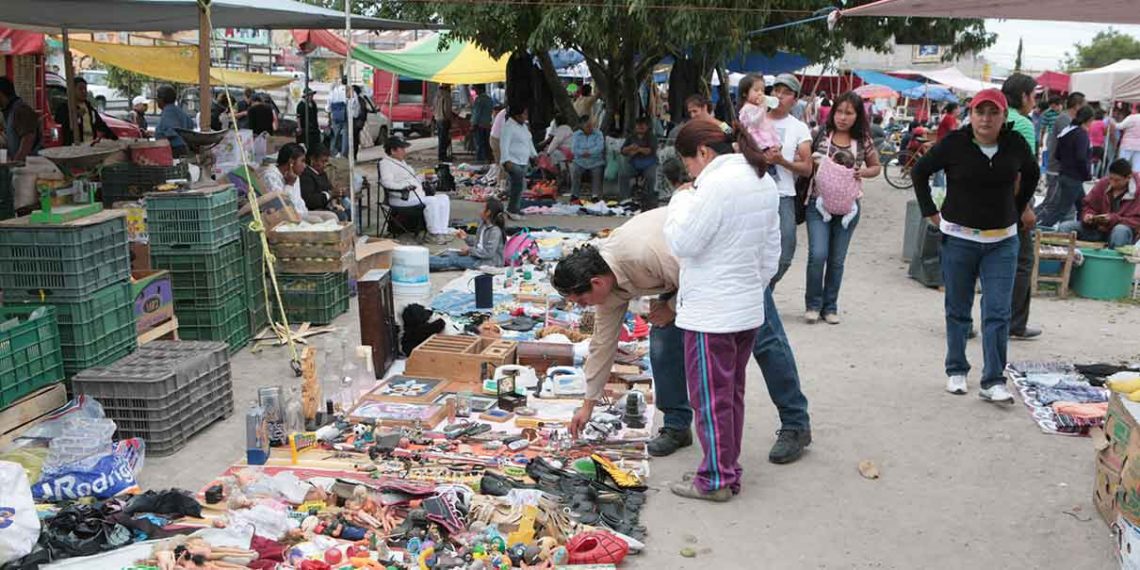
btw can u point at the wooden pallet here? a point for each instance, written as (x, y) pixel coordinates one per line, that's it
(459, 358)
(169, 327)
(29, 410)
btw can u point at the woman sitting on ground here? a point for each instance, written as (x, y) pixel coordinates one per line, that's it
(285, 177)
(483, 248)
(405, 189)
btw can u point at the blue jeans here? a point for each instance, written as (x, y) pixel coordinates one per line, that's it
(339, 135)
(597, 174)
(450, 261)
(517, 183)
(483, 144)
(649, 185)
(773, 354)
(963, 263)
(787, 237)
(827, 251)
(1061, 204)
(1119, 236)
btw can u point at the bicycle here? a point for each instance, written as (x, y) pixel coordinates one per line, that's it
(897, 166)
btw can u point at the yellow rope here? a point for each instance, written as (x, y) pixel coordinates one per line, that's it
(257, 226)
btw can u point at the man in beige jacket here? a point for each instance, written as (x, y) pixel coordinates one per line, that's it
(634, 261)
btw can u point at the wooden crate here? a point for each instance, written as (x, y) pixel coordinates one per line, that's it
(459, 358)
(309, 244)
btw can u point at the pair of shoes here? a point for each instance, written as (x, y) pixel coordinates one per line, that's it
(790, 445)
(812, 317)
(831, 318)
(688, 490)
(1027, 334)
(669, 440)
(956, 384)
(997, 394)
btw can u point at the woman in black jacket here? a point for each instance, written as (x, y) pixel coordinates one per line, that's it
(990, 178)
(1073, 151)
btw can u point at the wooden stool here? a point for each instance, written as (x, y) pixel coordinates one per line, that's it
(1058, 247)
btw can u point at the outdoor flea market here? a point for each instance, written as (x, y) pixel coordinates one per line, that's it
(474, 285)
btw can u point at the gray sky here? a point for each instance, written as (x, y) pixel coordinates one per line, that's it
(1045, 42)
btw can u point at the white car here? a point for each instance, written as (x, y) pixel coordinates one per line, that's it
(103, 96)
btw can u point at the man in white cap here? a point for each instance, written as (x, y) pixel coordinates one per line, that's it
(138, 113)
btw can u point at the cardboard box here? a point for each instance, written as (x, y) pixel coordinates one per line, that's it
(1128, 542)
(1106, 484)
(140, 256)
(1120, 453)
(275, 208)
(153, 298)
(374, 254)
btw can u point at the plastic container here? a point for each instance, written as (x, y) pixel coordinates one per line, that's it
(226, 321)
(1104, 275)
(316, 298)
(410, 264)
(30, 355)
(256, 436)
(63, 262)
(98, 330)
(194, 220)
(124, 181)
(203, 278)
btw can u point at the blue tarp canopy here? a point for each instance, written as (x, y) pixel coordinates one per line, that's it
(906, 87)
(756, 62)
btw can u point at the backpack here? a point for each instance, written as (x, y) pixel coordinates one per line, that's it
(836, 184)
(518, 247)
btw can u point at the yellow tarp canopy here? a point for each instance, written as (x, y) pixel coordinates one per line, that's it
(172, 63)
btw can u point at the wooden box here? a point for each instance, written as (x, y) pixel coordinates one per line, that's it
(316, 264)
(310, 244)
(378, 318)
(543, 355)
(459, 358)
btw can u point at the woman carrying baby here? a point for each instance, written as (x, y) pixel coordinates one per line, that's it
(844, 156)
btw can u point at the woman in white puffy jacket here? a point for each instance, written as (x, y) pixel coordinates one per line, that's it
(725, 231)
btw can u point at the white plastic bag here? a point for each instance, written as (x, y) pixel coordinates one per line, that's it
(19, 525)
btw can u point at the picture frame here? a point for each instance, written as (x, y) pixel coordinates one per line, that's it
(407, 389)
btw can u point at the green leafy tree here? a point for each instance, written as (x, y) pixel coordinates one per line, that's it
(1106, 47)
(126, 82)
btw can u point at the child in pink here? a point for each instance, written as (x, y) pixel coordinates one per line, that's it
(754, 116)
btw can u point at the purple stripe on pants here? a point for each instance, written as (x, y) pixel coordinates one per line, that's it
(715, 365)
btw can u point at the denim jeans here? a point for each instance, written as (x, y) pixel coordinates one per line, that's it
(963, 263)
(517, 181)
(772, 352)
(1063, 203)
(1119, 236)
(827, 252)
(787, 237)
(338, 137)
(1019, 319)
(483, 144)
(648, 199)
(443, 140)
(451, 260)
(597, 174)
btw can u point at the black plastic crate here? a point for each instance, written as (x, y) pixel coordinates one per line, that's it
(128, 181)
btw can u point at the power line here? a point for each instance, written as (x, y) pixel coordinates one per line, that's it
(601, 4)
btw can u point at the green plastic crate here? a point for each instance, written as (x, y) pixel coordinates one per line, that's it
(203, 277)
(194, 220)
(226, 321)
(98, 330)
(30, 356)
(63, 262)
(316, 298)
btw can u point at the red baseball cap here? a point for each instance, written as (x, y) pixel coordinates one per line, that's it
(994, 96)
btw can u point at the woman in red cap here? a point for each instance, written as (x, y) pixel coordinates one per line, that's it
(990, 177)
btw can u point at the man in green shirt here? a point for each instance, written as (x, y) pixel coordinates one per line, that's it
(1018, 90)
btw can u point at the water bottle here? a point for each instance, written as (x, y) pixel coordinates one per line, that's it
(256, 436)
(269, 397)
(294, 412)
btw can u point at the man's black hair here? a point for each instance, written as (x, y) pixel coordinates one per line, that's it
(642, 121)
(1054, 100)
(573, 274)
(288, 153)
(166, 94)
(1015, 87)
(1075, 99)
(1120, 167)
(7, 88)
(317, 151)
(674, 171)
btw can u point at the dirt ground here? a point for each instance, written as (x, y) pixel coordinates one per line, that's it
(964, 483)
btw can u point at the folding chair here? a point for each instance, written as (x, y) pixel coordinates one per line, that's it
(399, 220)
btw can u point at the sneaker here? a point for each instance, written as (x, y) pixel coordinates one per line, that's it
(956, 385)
(688, 490)
(1027, 334)
(789, 446)
(997, 394)
(668, 441)
(812, 317)
(831, 319)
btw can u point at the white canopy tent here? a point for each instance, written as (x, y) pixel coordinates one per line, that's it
(1119, 81)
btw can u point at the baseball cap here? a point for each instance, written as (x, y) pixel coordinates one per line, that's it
(139, 100)
(990, 96)
(396, 142)
(787, 80)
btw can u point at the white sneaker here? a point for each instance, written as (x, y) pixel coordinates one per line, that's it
(812, 317)
(997, 394)
(956, 385)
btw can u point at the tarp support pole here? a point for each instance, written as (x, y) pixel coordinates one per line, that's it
(204, 96)
(72, 95)
(350, 92)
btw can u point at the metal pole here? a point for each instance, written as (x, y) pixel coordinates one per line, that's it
(351, 94)
(72, 96)
(204, 96)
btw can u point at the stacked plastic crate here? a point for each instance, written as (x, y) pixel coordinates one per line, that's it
(194, 234)
(254, 269)
(82, 269)
(165, 392)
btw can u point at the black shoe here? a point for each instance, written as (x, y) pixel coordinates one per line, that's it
(669, 440)
(790, 444)
(1026, 334)
(972, 334)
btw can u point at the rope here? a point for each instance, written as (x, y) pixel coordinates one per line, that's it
(282, 330)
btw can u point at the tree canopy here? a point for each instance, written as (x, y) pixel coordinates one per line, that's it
(1106, 47)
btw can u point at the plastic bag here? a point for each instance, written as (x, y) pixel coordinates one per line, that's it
(52, 425)
(102, 478)
(19, 524)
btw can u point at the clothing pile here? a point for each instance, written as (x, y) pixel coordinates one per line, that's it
(1061, 400)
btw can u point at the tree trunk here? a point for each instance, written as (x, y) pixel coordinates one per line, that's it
(562, 100)
(725, 93)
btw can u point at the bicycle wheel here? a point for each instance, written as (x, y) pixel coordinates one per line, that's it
(897, 171)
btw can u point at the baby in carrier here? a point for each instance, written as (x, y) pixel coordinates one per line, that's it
(837, 186)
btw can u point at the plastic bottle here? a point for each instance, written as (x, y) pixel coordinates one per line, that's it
(294, 413)
(256, 436)
(273, 409)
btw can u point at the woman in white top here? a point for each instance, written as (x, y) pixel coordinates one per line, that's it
(725, 232)
(396, 176)
(285, 177)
